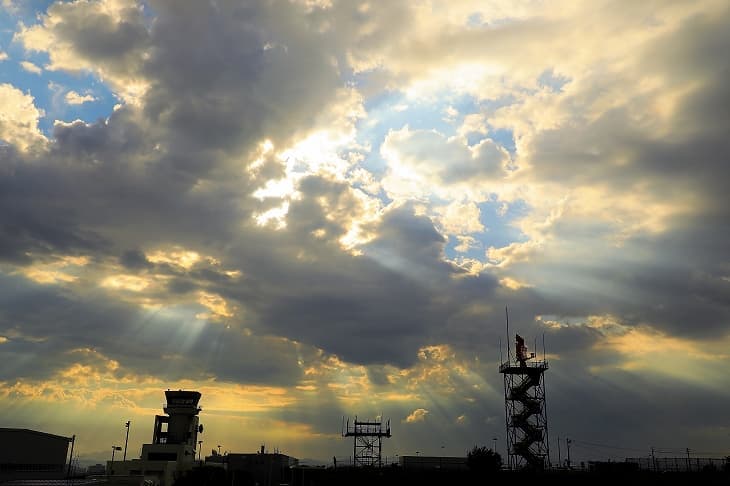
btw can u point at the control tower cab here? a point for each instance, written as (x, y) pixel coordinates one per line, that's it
(180, 425)
(175, 435)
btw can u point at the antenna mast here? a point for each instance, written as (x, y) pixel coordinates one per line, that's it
(506, 313)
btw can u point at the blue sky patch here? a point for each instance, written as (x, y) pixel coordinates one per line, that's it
(50, 89)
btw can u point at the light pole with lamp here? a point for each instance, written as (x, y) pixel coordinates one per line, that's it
(126, 440)
(111, 467)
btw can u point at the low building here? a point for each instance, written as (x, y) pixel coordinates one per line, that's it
(256, 468)
(432, 462)
(96, 470)
(30, 454)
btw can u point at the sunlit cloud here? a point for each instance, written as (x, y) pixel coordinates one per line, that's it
(30, 67)
(126, 282)
(418, 415)
(74, 98)
(177, 256)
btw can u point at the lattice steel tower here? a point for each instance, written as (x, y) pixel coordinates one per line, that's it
(525, 412)
(367, 440)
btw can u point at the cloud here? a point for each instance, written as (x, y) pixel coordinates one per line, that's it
(3, 56)
(30, 67)
(73, 98)
(107, 37)
(423, 160)
(418, 415)
(19, 122)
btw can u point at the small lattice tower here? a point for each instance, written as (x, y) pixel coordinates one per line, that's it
(367, 440)
(525, 412)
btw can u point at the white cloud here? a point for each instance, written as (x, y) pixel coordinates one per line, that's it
(425, 162)
(30, 67)
(74, 98)
(460, 218)
(19, 119)
(3, 56)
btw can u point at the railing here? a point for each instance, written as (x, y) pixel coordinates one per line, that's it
(541, 363)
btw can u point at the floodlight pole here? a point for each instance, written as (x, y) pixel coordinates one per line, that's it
(70, 459)
(126, 440)
(111, 466)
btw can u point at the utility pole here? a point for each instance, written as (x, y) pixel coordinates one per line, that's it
(126, 440)
(111, 467)
(560, 463)
(688, 463)
(567, 442)
(653, 459)
(71, 456)
(200, 448)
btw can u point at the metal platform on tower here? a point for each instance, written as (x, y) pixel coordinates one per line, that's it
(525, 411)
(367, 440)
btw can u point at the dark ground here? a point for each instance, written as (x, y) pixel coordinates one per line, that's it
(467, 478)
(395, 476)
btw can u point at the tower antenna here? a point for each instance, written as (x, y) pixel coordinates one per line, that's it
(501, 358)
(544, 358)
(506, 313)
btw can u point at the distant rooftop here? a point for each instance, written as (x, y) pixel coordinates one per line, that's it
(54, 482)
(36, 432)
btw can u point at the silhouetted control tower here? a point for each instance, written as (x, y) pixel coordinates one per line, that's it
(526, 416)
(180, 425)
(368, 441)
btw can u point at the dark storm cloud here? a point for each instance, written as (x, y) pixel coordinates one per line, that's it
(353, 307)
(27, 197)
(44, 326)
(225, 75)
(134, 260)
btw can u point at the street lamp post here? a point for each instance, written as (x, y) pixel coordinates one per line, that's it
(200, 448)
(126, 440)
(495, 444)
(111, 467)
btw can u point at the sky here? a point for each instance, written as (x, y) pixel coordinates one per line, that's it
(310, 209)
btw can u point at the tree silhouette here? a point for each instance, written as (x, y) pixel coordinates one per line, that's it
(482, 459)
